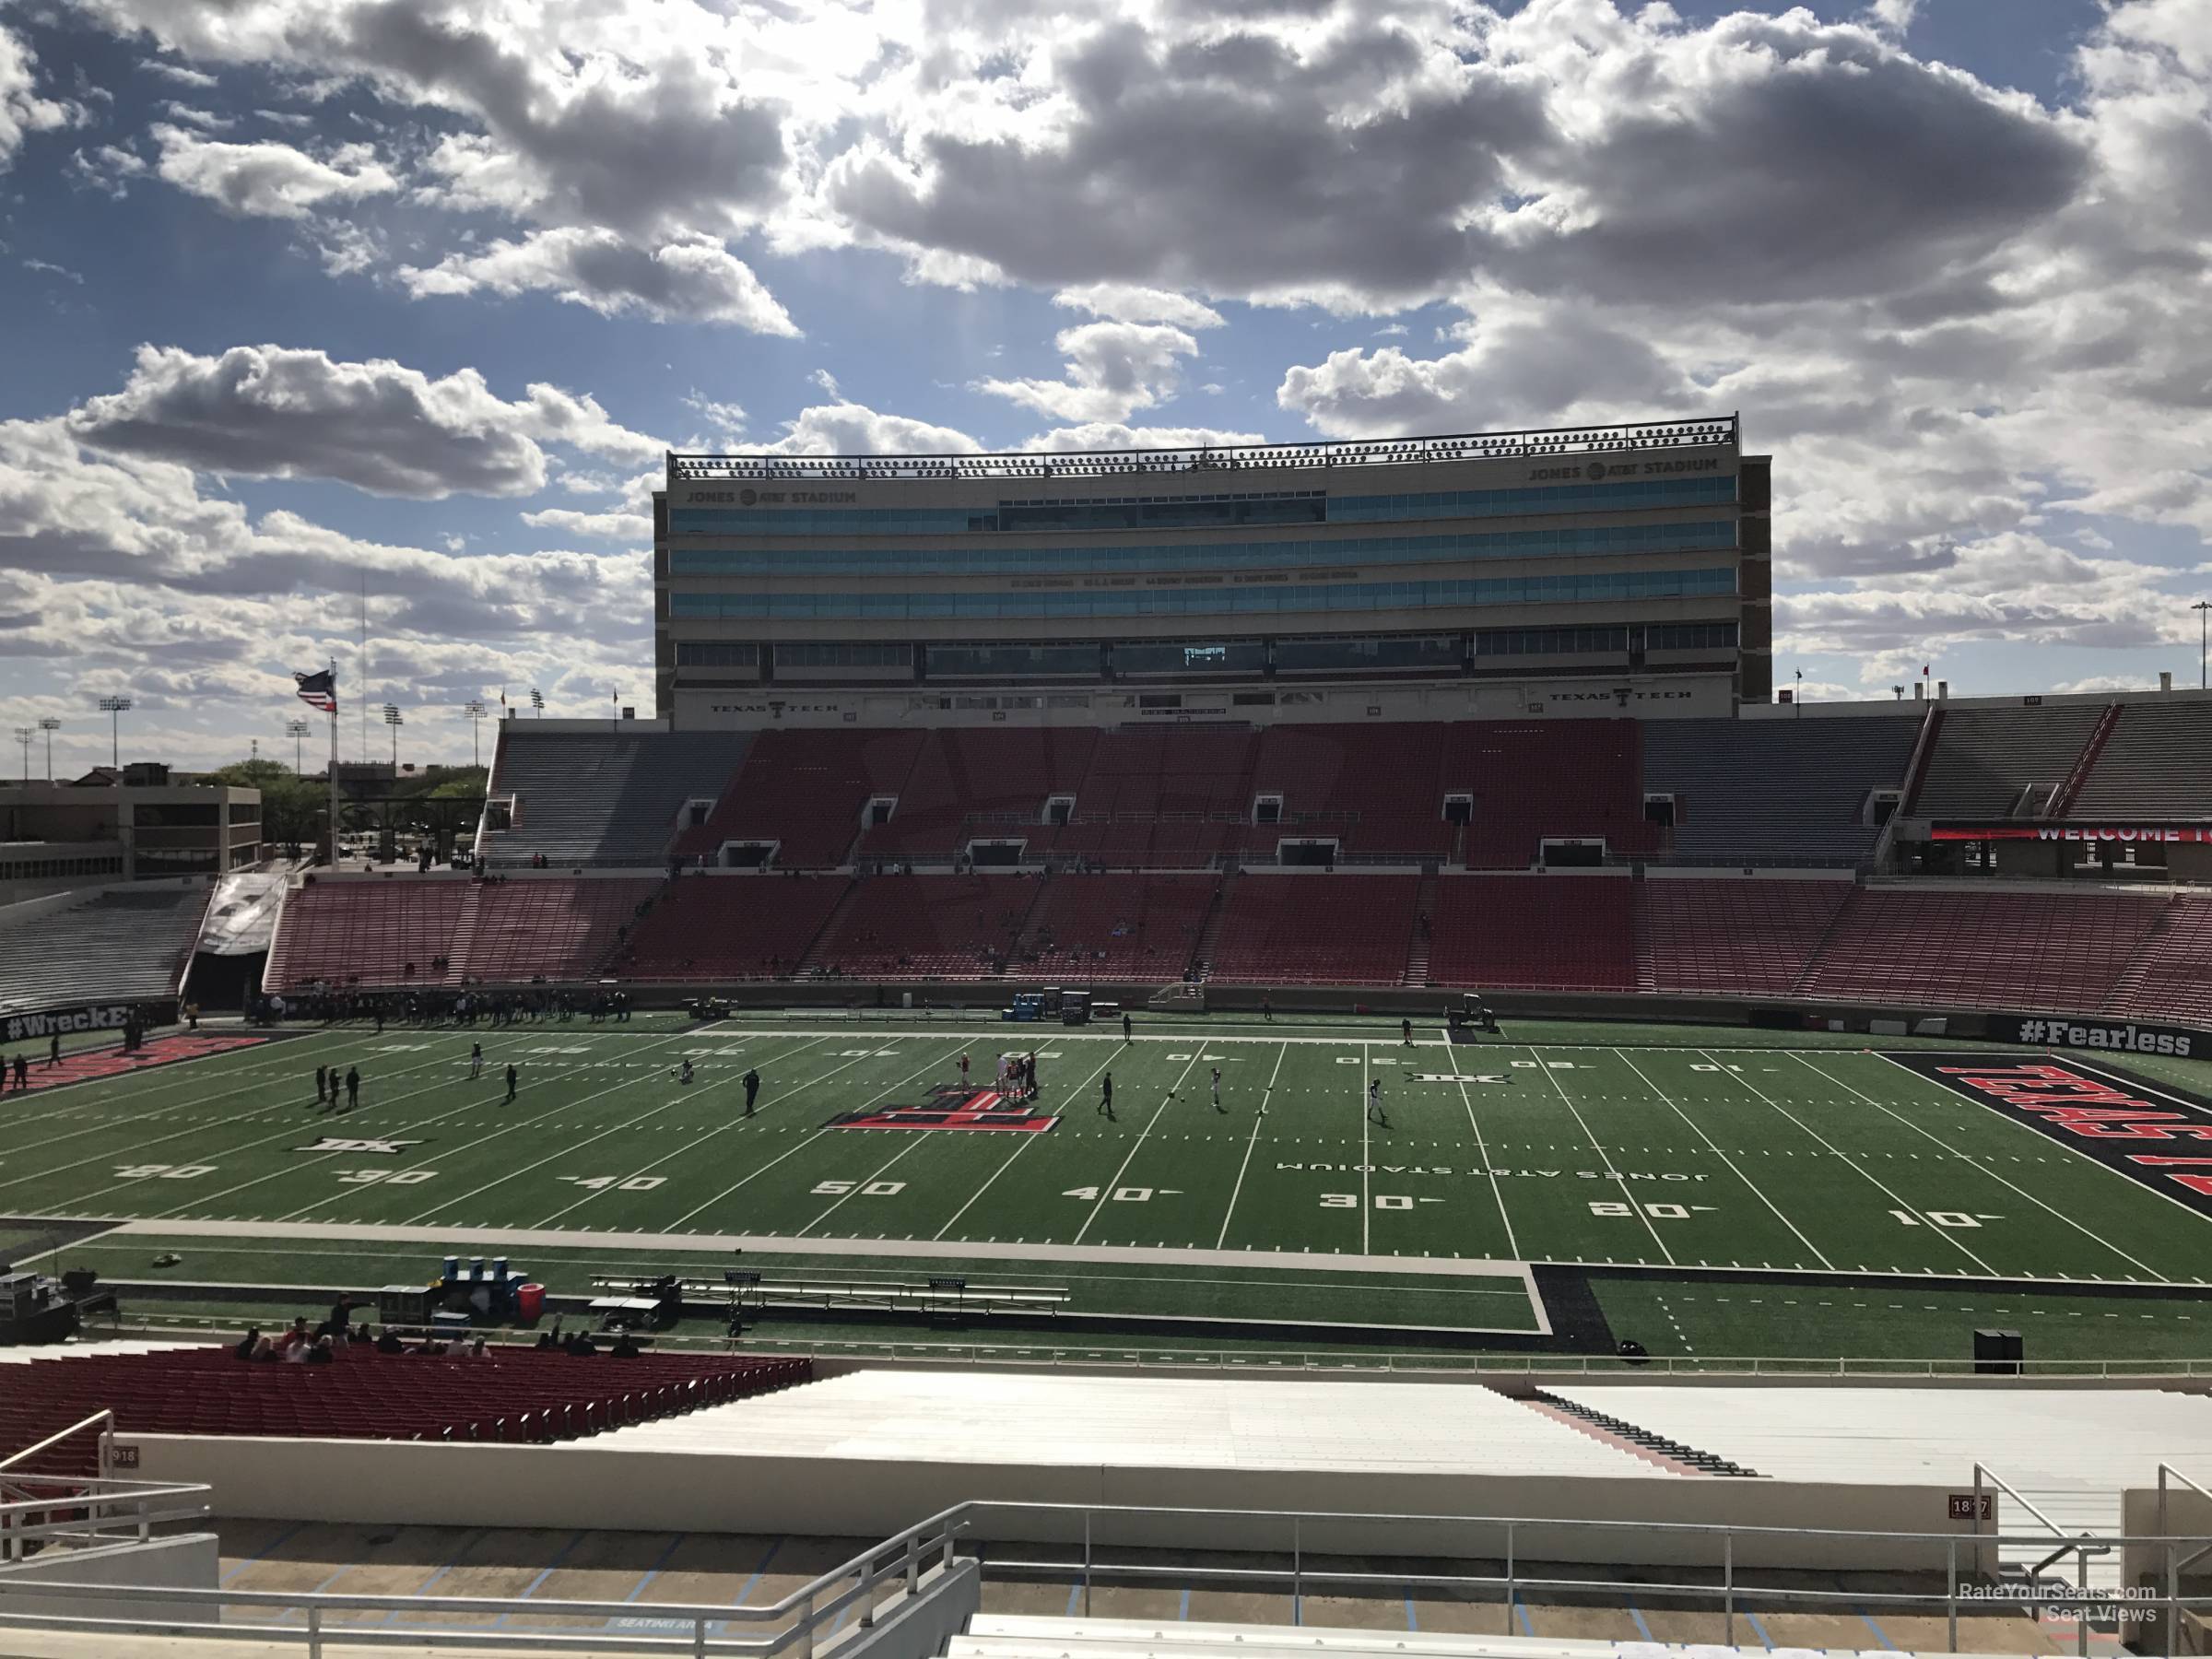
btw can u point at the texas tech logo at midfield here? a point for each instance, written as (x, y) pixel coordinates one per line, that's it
(950, 1106)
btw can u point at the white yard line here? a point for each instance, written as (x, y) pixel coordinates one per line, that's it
(1605, 1158)
(508, 1127)
(1985, 1168)
(81, 1093)
(569, 1148)
(289, 1172)
(804, 1141)
(1257, 1118)
(1106, 1192)
(1723, 1157)
(1366, 1157)
(138, 1149)
(1028, 1140)
(1482, 1150)
(1858, 1166)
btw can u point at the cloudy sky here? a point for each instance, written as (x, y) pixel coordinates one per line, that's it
(301, 294)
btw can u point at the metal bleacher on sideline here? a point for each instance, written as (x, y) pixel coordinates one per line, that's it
(121, 943)
(602, 797)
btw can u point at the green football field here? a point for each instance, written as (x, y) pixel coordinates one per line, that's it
(1665, 1148)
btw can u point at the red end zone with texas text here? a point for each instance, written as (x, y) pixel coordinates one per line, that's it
(2152, 1134)
(87, 1064)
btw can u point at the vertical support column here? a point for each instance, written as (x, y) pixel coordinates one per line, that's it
(1509, 1592)
(1297, 1575)
(1950, 1597)
(1087, 1563)
(1728, 1589)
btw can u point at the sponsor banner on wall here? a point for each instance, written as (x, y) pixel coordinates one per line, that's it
(2150, 833)
(86, 1017)
(2153, 1133)
(2113, 1036)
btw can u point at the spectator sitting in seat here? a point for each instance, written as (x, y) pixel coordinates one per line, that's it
(318, 1352)
(389, 1343)
(626, 1347)
(248, 1343)
(265, 1352)
(362, 1333)
(294, 1337)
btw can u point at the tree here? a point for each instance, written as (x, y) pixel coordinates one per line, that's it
(291, 805)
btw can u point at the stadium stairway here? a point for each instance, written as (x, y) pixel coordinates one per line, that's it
(1417, 948)
(1672, 1453)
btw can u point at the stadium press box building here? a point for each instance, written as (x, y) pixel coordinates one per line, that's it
(1591, 570)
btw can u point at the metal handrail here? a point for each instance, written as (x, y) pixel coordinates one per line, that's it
(54, 1439)
(901, 1558)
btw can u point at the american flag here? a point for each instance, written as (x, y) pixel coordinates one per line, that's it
(319, 690)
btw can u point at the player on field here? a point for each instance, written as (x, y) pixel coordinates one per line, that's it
(1028, 1073)
(684, 1073)
(322, 1083)
(1218, 1088)
(1267, 1010)
(1374, 1102)
(1106, 1094)
(22, 1075)
(476, 1060)
(512, 1078)
(1406, 1025)
(752, 1088)
(54, 1049)
(963, 1071)
(1126, 1036)
(353, 1087)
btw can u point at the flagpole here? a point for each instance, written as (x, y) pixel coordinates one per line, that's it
(333, 764)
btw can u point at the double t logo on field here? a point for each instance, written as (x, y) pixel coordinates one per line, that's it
(950, 1106)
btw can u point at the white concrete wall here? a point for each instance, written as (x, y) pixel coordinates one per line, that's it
(581, 1485)
(189, 1561)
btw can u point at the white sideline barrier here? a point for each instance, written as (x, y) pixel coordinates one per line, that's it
(585, 1486)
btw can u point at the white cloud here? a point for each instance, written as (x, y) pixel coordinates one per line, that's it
(270, 412)
(107, 169)
(267, 180)
(1114, 369)
(851, 429)
(698, 280)
(183, 75)
(23, 110)
(600, 526)
(1128, 303)
(1111, 435)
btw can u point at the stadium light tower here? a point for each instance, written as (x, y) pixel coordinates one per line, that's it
(393, 719)
(50, 724)
(115, 707)
(2203, 609)
(474, 709)
(23, 735)
(537, 702)
(297, 731)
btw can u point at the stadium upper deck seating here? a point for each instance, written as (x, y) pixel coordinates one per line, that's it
(926, 927)
(730, 927)
(1774, 792)
(2157, 763)
(1735, 937)
(1944, 947)
(806, 791)
(966, 783)
(1115, 927)
(1531, 780)
(594, 798)
(1986, 758)
(117, 944)
(1567, 933)
(1330, 929)
(512, 1393)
